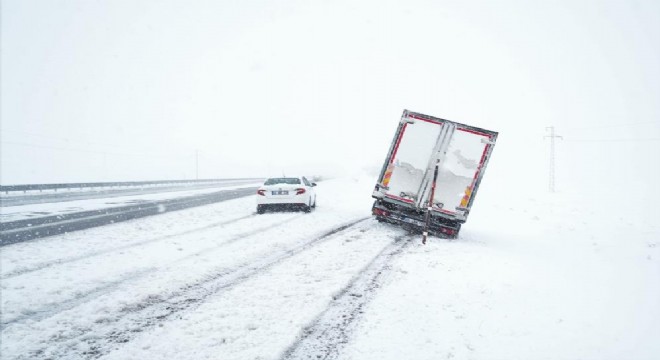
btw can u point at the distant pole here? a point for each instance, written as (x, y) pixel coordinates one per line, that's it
(196, 164)
(105, 163)
(551, 172)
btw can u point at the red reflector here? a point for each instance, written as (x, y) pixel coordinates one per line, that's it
(261, 192)
(380, 212)
(300, 191)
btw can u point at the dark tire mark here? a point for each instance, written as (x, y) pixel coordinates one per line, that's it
(332, 329)
(53, 309)
(136, 318)
(22, 271)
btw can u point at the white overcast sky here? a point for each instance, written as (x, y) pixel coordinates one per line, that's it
(130, 90)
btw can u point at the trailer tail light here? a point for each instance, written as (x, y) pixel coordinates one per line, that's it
(448, 231)
(381, 212)
(300, 191)
(261, 192)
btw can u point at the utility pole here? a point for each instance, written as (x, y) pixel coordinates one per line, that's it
(196, 164)
(551, 172)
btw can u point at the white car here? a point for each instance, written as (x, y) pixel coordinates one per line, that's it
(286, 193)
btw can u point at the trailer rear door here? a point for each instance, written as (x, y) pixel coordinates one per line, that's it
(408, 163)
(462, 168)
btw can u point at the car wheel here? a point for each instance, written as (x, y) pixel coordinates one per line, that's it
(307, 208)
(314, 205)
(261, 209)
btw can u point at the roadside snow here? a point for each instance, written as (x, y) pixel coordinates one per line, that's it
(94, 288)
(264, 315)
(545, 277)
(534, 279)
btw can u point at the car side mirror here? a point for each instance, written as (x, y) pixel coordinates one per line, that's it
(313, 184)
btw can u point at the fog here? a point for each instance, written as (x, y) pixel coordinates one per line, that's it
(141, 90)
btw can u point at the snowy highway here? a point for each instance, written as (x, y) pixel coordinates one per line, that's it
(119, 189)
(152, 154)
(71, 288)
(34, 220)
(221, 282)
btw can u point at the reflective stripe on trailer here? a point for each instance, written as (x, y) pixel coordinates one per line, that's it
(399, 198)
(388, 175)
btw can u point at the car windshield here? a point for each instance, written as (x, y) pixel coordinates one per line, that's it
(291, 181)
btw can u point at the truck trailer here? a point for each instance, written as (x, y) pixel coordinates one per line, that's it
(431, 174)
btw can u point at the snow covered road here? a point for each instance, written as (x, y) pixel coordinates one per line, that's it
(530, 281)
(35, 206)
(114, 190)
(95, 289)
(59, 220)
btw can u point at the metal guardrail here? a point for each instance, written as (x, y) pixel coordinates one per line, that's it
(26, 229)
(40, 187)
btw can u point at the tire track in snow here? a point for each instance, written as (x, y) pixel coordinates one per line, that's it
(136, 318)
(54, 309)
(331, 330)
(26, 270)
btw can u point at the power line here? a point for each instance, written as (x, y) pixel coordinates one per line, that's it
(86, 150)
(612, 126)
(79, 142)
(54, 147)
(56, 138)
(613, 140)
